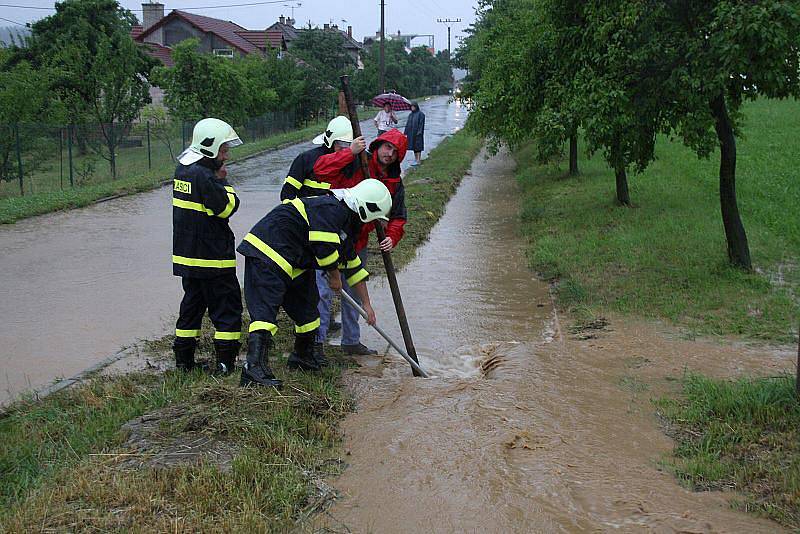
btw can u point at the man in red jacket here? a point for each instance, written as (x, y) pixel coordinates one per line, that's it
(342, 169)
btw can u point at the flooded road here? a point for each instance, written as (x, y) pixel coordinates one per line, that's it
(77, 286)
(526, 428)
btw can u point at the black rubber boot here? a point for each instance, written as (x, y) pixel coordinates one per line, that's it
(319, 355)
(226, 358)
(303, 355)
(256, 371)
(184, 357)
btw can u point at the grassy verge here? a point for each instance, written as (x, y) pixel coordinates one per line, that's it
(666, 257)
(740, 435)
(16, 208)
(67, 462)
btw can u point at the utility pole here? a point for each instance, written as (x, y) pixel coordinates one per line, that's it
(382, 74)
(448, 22)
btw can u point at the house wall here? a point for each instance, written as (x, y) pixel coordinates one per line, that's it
(178, 30)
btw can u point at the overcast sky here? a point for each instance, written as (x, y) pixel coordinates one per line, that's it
(408, 16)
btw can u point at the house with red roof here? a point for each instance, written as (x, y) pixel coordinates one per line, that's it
(160, 33)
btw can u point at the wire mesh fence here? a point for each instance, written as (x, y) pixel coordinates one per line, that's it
(38, 158)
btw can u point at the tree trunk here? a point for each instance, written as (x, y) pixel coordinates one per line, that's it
(623, 197)
(738, 249)
(573, 154)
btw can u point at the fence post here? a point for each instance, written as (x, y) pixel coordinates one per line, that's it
(69, 155)
(61, 157)
(19, 160)
(149, 157)
(113, 148)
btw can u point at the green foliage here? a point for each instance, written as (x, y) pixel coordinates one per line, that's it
(324, 51)
(101, 72)
(202, 85)
(411, 74)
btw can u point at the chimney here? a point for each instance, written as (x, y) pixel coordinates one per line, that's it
(350, 32)
(335, 27)
(282, 19)
(152, 12)
(326, 26)
(290, 21)
(398, 33)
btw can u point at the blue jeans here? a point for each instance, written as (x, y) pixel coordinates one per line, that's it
(351, 332)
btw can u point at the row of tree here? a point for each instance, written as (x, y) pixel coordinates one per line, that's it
(622, 72)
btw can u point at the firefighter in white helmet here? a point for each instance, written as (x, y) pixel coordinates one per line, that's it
(301, 181)
(203, 245)
(282, 252)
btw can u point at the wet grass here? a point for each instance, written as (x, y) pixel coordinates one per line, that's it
(666, 256)
(65, 464)
(742, 435)
(51, 198)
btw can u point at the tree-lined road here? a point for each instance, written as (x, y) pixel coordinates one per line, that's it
(79, 285)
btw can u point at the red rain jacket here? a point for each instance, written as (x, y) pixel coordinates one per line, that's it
(341, 170)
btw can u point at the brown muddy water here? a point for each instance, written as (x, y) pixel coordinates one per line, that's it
(526, 427)
(77, 286)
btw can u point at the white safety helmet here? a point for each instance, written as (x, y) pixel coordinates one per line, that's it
(208, 135)
(370, 199)
(339, 129)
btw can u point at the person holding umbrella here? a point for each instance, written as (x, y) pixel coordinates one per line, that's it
(384, 119)
(415, 132)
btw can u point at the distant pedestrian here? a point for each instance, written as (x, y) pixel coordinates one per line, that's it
(385, 119)
(203, 246)
(415, 132)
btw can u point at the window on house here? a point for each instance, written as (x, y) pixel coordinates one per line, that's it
(224, 52)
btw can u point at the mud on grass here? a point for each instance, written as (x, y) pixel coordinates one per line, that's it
(742, 435)
(157, 452)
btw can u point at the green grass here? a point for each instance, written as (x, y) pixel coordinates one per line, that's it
(666, 256)
(64, 464)
(44, 193)
(742, 435)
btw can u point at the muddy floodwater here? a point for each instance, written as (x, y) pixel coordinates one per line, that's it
(77, 286)
(526, 427)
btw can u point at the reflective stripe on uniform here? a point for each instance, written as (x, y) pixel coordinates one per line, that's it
(352, 264)
(297, 272)
(231, 203)
(294, 183)
(228, 336)
(199, 262)
(324, 237)
(270, 253)
(187, 333)
(308, 327)
(327, 260)
(263, 325)
(194, 206)
(298, 204)
(356, 278)
(316, 185)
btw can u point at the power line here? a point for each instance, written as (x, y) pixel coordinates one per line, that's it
(12, 21)
(179, 8)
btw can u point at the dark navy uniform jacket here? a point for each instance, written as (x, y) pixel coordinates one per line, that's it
(300, 181)
(308, 233)
(202, 240)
